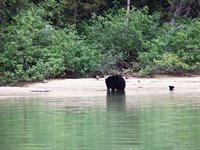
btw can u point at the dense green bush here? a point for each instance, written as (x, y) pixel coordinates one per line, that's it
(119, 38)
(174, 48)
(33, 49)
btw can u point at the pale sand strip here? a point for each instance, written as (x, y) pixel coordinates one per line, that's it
(93, 87)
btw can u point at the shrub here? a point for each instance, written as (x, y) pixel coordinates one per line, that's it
(34, 49)
(175, 47)
(119, 40)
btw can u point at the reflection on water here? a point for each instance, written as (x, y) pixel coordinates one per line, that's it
(114, 122)
(116, 101)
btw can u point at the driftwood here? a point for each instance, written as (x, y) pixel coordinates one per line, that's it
(40, 90)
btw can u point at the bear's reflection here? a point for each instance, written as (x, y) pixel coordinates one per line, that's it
(116, 101)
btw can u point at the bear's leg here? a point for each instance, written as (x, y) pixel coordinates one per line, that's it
(113, 89)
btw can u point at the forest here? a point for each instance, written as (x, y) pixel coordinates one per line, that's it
(42, 39)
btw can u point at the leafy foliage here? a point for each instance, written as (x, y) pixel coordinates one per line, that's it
(118, 39)
(33, 49)
(174, 48)
(38, 40)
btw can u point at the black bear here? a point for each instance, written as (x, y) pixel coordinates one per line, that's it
(115, 82)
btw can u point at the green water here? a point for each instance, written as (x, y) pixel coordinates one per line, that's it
(167, 122)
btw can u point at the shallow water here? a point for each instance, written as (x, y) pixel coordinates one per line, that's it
(114, 122)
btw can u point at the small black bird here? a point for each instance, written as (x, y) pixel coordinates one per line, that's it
(171, 88)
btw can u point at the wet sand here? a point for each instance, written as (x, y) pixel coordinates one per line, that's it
(91, 87)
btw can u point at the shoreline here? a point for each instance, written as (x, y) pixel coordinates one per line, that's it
(91, 87)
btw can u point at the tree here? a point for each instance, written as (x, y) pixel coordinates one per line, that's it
(128, 10)
(184, 8)
(79, 10)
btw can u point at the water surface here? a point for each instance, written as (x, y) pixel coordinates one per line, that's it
(112, 122)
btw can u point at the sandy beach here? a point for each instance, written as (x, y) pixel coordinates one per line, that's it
(93, 87)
